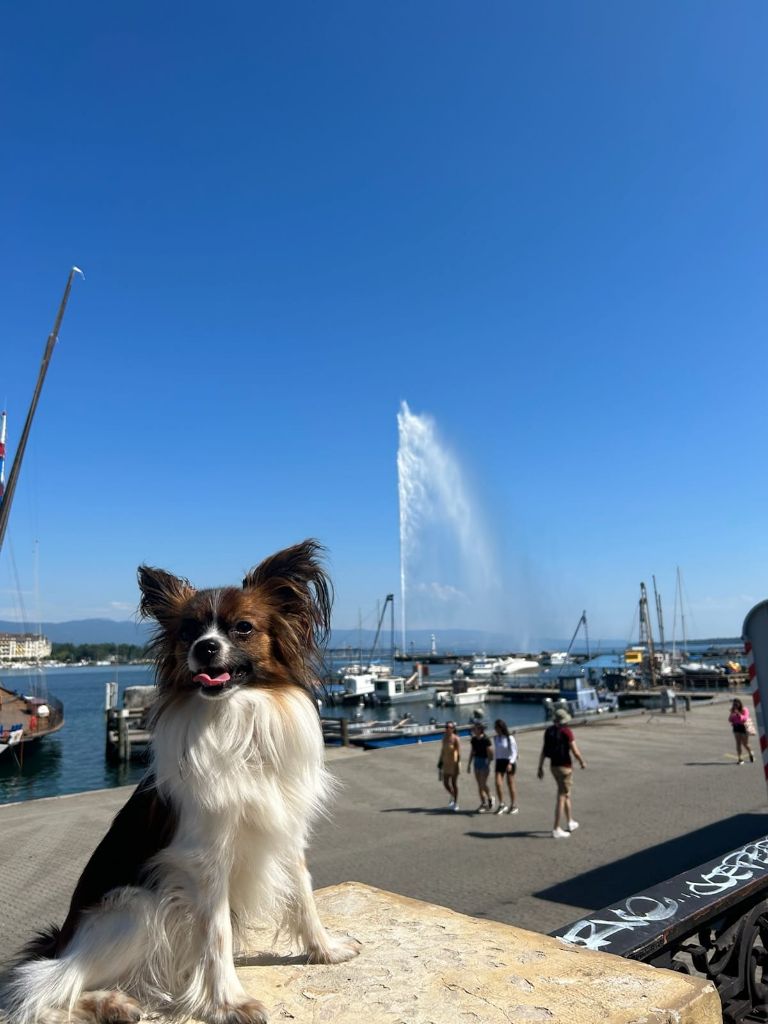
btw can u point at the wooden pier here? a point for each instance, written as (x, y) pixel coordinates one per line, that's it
(127, 735)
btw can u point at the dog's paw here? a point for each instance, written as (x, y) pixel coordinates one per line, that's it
(107, 1008)
(335, 951)
(249, 1011)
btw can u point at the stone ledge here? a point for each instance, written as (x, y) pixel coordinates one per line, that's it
(424, 964)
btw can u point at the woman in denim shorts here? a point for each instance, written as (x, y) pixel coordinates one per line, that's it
(480, 757)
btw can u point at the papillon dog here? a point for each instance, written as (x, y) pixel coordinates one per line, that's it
(213, 839)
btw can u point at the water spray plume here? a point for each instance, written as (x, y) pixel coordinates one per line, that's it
(444, 552)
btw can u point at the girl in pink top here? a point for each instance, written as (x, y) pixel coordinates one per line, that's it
(739, 717)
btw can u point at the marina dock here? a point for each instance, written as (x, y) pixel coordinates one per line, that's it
(661, 793)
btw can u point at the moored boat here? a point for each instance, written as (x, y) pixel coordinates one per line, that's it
(27, 719)
(398, 690)
(459, 697)
(515, 666)
(579, 697)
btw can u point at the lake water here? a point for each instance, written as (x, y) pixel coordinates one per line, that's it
(73, 761)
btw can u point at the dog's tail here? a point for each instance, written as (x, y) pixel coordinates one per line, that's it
(46, 945)
(36, 980)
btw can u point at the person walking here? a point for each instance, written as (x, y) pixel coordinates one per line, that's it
(481, 758)
(741, 724)
(560, 747)
(449, 764)
(505, 754)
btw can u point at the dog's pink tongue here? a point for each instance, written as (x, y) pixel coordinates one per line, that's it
(205, 680)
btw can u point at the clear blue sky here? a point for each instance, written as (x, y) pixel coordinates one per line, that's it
(542, 225)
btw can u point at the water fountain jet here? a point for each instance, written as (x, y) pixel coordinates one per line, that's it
(445, 555)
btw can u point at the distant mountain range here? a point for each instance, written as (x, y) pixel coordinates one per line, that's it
(86, 631)
(448, 641)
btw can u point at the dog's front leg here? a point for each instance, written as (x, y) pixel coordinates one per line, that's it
(305, 924)
(226, 1001)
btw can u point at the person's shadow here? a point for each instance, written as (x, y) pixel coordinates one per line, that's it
(532, 834)
(427, 810)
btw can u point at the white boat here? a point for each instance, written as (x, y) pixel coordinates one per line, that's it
(374, 669)
(480, 667)
(358, 684)
(554, 657)
(470, 695)
(701, 668)
(511, 666)
(396, 690)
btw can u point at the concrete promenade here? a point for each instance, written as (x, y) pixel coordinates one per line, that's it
(661, 793)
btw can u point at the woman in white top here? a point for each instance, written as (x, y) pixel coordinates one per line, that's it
(505, 753)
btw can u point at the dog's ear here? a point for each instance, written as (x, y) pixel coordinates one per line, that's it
(299, 589)
(161, 593)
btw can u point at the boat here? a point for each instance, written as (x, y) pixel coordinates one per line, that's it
(356, 686)
(458, 697)
(372, 734)
(579, 697)
(357, 682)
(356, 669)
(481, 667)
(399, 690)
(554, 657)
(702, 668)
(515, 666)
(26, 719)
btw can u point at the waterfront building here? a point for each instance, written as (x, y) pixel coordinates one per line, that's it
(24, 647)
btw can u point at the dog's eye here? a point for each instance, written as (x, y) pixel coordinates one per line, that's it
(243, 628)
(189, 630)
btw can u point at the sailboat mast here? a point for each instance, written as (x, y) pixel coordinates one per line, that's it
(646, 633)
(659, 616)
(2, 454)
(53, 337)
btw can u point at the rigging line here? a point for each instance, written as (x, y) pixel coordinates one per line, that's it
(674, 623)
(635, 617)
(685, 598)
(19, 595)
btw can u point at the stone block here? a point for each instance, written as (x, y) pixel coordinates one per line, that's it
(425, 964)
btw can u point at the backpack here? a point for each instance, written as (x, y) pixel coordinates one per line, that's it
(557, 746)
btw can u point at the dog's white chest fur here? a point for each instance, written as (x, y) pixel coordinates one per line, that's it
(246, 775)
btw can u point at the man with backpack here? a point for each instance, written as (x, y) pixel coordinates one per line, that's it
(560, 746)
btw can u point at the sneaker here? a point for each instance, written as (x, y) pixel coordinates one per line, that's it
(455, 807)
(490, 805)
(572, 826)
(500, 809)
(451, 805)
(752, 758)
(560, 833)
(739, 762)
(513, 810)
(482, 809)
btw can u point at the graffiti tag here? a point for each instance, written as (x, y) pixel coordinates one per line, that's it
(637, 912)
(739, 866)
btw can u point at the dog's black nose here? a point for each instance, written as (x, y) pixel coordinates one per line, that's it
(206, 649)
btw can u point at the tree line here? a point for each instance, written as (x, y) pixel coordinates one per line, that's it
(74, 653)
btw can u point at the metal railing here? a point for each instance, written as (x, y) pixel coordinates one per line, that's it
(711, 922)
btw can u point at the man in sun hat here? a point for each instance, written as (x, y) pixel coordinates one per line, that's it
(560, 746)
